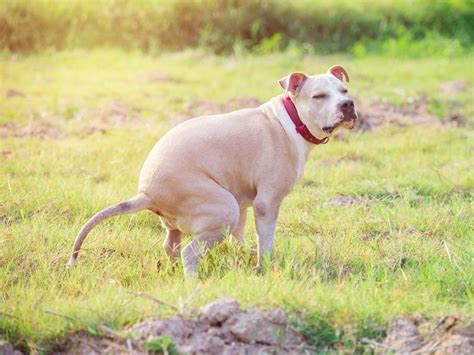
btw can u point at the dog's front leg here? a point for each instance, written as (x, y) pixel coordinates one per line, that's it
(238, 233)
(266, 215)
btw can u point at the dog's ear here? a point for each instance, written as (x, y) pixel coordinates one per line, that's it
(339, 72)
(292, 83)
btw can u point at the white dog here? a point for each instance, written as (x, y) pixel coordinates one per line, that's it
(201, 177)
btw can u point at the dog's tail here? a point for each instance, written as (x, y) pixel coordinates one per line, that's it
(135, 204)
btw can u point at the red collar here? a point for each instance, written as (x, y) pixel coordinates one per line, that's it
(300, 126)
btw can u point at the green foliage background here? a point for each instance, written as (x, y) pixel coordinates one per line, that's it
(443, 27)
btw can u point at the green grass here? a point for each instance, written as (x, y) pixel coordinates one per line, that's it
(408, 250)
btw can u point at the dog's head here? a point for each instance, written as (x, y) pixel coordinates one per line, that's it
(322, 101)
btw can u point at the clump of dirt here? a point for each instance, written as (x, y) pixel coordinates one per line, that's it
(84, 343)
(39, 130)
(450, 336)
(380, 112)
(202, 107)
(221, 327)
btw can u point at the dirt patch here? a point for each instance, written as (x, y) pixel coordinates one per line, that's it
(454, 87)
(11, 93)
(91, 130)
(45, 130)
(162, 77)
(221, 327)
(6, 153)
(449, 336)
(380, 112)
(38, 130)
(46, 125)
(346, 201)
(202, 107)
(118, 113)
(348, 158)
(456, 120)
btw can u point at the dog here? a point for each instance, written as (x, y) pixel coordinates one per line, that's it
(203, 174)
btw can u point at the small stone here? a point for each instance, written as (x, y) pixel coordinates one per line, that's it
(177, 328)
(256, 327)
(219, 311)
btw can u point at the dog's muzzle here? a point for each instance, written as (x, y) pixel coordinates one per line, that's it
(349, 114)
(347, 121)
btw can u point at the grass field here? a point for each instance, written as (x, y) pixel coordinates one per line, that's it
(76, 126)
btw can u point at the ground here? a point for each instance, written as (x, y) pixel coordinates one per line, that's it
(379, 227)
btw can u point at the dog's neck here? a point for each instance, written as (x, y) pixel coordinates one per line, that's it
(275, 109)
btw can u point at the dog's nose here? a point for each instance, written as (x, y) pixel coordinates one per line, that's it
(347, 105)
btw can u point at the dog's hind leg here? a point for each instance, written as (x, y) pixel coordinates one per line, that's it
(172, 244)
(211, 222)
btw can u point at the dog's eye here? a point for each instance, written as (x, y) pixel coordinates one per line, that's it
(344, 91)
(320, 96)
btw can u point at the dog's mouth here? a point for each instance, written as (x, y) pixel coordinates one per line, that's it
(345, 122)
(350, 123)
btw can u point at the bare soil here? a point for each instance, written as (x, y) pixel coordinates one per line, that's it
(11, 93)
(346, 201)
(221, 327)
(38, 130)
(379, 112)
(454, 87)
(161, 77)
